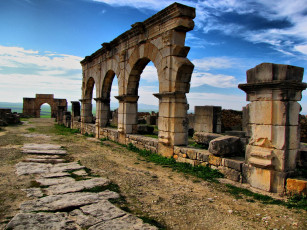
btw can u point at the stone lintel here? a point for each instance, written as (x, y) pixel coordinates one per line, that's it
(75, 102)
(127, 98)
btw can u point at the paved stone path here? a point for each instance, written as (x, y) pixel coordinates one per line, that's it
(59, 201)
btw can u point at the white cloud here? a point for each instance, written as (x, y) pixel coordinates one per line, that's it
(150, 74)
(47, 72)
(301, 48)
(215, 80)
(209, 63)
(17, 57)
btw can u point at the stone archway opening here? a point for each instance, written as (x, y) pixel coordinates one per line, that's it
(87, 104)
(45, 110)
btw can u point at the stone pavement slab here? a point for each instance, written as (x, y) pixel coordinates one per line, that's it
(41, 146)
(76, 186)
(40, 221)
(44, 152)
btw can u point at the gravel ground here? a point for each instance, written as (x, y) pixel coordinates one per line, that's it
(173, 199)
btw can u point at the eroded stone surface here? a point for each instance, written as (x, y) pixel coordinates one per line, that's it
(80, 172)
(32, 146)
(25, 168)
(33, 192)
(51, 161)
(126, 222)
(75, 186)
(44, 152)
(54, 175)
(90, 215)
(55, 181)
(38, 221)
(66, 201)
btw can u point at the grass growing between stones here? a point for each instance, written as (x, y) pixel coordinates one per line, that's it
(202, 172)
(296, 201)
(63, 130)
(31, 130)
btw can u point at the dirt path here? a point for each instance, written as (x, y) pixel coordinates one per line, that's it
(173, 199)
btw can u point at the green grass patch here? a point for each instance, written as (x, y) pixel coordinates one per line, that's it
(63, 130)
(31, 130)
(112, 126)
(89, 134)
(296, 201)
(202, 172)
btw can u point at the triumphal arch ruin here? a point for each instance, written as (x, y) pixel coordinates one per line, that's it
(31, 106)
(271, 136)
(160, 39)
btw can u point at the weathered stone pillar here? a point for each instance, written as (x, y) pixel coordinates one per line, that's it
(60, 114)
(102, 114)
(208, 119)
(172, 122)
(86, 111)
(127, 116)
(75, 112)
(273, 91)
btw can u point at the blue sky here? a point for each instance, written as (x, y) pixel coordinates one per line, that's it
(43, 41)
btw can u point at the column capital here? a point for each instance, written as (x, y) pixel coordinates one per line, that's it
(102, 99)
(127, 98)
(169, 95)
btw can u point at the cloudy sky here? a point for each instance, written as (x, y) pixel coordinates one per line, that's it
(43, 41)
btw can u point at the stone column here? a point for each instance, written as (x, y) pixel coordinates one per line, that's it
(60, 115)
(273, 127)
(86, 113)
(172, 122)
(75, 112)
(102, 114)
(127, 116)
(208, 119)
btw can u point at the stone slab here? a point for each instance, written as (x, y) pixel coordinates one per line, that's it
(51, 161)
(81, 172)
(38, 221)
(126, 222)
(76, 186)
(26, 168)
(66, 201)
(33, 192)
(44, 152)
(90, 215)
(33, 146)
(46, 156)
(54, 175)
(55, 181)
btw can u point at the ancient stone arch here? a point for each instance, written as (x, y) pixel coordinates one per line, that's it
(31, 106)
(160, 39)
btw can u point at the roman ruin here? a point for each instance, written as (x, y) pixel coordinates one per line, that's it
(31, 106)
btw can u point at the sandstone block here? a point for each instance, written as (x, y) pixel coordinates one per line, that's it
(213, 160)
(234, 164)
(230, 173)
(295, 186)
(185, 160)
(225, 145)
(205, 138)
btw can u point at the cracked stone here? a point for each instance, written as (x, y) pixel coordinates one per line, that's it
(66, 201)
(41, 146)
(54, 175)
(44, 152)
(96, 213)
(126, 222)
(55, 181)
(38, 221)
(33, 192)
(76, 186)
(51, 161)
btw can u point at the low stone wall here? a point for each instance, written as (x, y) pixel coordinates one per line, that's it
(141, 142)
(76, 125)
(109, 133)
(230, 167)
(89, 128)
